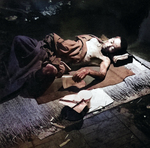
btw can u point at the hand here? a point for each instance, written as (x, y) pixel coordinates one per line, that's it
(80, 74)
(63, 68)
(61, 71)
(49, 69)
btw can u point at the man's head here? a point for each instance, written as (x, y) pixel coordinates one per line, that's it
(115, 45)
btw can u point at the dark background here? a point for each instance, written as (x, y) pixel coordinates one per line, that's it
(36, 18)
(68, 18)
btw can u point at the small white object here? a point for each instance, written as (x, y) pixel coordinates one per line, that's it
(84, 94)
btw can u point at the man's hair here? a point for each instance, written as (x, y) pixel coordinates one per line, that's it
(124, 44)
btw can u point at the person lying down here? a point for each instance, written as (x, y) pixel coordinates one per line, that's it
(34, 64)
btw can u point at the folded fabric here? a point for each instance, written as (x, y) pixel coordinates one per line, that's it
(74, 99)
(123, 59)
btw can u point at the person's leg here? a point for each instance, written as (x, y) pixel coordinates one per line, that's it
(24, 44)
(24, 48)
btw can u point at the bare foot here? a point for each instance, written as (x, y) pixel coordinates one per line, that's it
(49, 69)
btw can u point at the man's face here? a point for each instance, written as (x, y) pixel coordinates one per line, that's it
(112, 45)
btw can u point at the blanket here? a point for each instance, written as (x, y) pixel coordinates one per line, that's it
(21, 117)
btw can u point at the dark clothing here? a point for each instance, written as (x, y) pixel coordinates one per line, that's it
(28, 56)
(25, 58)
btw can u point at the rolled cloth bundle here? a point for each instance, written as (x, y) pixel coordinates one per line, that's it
(122, 59)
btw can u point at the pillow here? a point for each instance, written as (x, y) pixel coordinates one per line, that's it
(119, 60)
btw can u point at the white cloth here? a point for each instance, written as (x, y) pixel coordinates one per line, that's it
(98, 99)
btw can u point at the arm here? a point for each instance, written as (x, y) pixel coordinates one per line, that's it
(83, 72)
